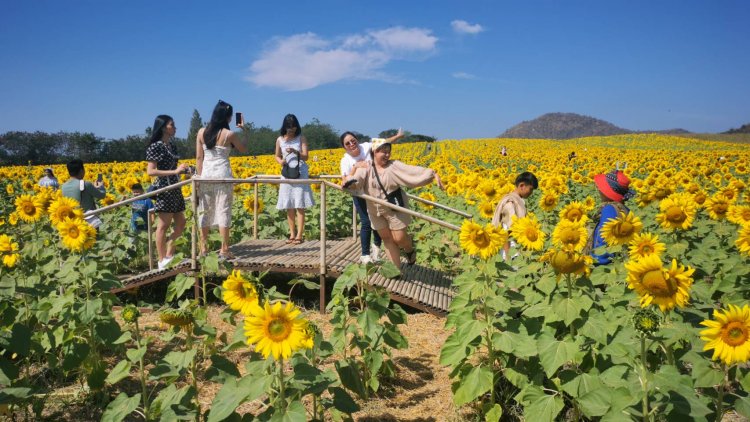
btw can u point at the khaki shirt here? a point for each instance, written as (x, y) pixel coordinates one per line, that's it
(511, 204)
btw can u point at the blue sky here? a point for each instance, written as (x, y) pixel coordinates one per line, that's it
(450, 69)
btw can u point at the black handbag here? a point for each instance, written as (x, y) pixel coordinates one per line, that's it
(396, 197)
(291, 172)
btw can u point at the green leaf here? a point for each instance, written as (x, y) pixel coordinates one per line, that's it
(388, 270)
(8, 371)
(108, 330)
(704, 374)
(520, 345)
(472, 385)
(20, 340)
(540, 407)
(596, 327)
(310, 285)
(742, 406)
(342, 401)
(568, 309)
(14, 394)
(90, 310)
(596, 402)
(121, 407)
(226, 401)
(74, 355)
(494, 414)
(553, 354)
(135, 355)
(180, 360)
(120, 371)
(179, 286)
(547, 283)
(350, 377)
(221, 368)
(295, 412)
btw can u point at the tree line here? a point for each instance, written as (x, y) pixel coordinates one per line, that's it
(35, 148)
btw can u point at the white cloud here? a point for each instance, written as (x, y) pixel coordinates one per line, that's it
(463, 27)
(305, 61)
(463, 75)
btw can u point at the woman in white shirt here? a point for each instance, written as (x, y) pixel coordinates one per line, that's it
(358, 155)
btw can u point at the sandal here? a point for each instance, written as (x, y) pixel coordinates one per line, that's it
(290, 240)
(226, 256)
(411, 257)
(296, 241)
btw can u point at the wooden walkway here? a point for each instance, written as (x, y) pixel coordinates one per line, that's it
(419, 287)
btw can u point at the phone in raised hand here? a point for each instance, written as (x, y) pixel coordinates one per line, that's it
(239, 120)
(100, 178)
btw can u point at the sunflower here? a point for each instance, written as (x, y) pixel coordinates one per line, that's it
(570, 236)
(528, 232)
(429, 197)
(568, 261)
(717, 206)
(548, 201)
(249, 204)
(677, 211)
(77, 235)
(9, 189)
(621, 230)
(728, 334)
(29, 208)
(664, 287)
(8, 251)
(487, 209)
(645, 244)
(743, 239)
(276, 330)
(489, 191)
(63, 208)
(13, 218)
(108, 199)
(739, 214)
(575, 212)
(480, 241)
(589, 204)
(239, 294)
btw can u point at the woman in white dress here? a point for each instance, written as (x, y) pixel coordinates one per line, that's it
(291, 148)
(212, 147)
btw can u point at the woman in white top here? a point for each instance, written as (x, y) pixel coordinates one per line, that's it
(291, 148)
(358, 155)
(212, 147)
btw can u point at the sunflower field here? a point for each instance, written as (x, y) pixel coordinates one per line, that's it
(661, 333)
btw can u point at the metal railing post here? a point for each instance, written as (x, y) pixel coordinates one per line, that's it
(255, 211)
(149, 228)
(322, 248)
(194, 239)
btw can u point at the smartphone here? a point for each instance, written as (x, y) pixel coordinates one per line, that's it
(349, 183)
(99, 178)
(238, 119)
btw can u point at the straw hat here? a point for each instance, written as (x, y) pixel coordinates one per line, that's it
(377, 143)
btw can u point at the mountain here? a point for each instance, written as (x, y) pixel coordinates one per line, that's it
(743, 129)
(562, 126)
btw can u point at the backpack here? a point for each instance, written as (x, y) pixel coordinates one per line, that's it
(590, 230)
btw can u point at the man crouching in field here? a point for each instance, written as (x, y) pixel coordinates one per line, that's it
(513, 204)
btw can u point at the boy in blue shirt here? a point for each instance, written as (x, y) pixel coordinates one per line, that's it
(140, 209)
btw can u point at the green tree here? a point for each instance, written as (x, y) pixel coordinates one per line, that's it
(320, 135)
(195, 124)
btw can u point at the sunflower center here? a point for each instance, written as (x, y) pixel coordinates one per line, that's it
(278, 329)
(647, 249)
(623, 229)
(734, 334)
(675, 214)
(574, 215)
(570, 236)
(481, 239)
(566, 263)
(720, 208)
(532, 234)
(647, 323)
(549, 200)
(746, 215)
(29, 209)
(657, 285)
(73, 232)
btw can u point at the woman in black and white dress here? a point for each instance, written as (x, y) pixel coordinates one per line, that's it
(161, 155)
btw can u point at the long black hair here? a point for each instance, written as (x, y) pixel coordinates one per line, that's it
(290, 120)
(158, 131)
(219, 120)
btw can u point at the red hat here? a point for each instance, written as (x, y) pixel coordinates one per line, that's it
(614, 185)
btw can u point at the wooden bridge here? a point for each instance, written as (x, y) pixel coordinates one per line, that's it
(420, 287)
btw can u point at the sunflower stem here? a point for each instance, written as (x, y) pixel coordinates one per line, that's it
(142, 372)
(720, 398)
(570, 296)
(644, 379)
(281, 380)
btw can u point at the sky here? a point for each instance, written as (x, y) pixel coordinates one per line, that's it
(448, 69)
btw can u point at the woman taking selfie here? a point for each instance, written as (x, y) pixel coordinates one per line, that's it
(383, 179)
(161, 155)
(212, 147)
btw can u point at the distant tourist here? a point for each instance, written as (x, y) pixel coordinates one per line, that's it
(161, 155)
(140, 210)
(291, 151)
(614, 189)
(212, 148)
(86, 193)
(504, 151)
(572, 155)
(383, 179)
(49, 180)
(514, 204)
(357, 155)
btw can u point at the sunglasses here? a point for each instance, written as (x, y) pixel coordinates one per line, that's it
(351, 142)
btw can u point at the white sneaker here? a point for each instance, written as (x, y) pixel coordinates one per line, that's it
(165, 262)
(375, 253)
(365, 259)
